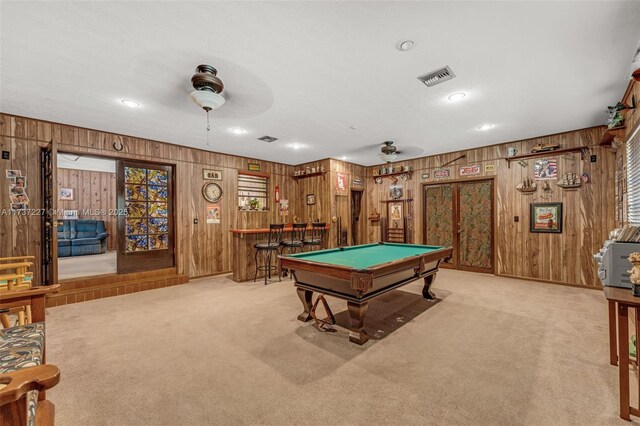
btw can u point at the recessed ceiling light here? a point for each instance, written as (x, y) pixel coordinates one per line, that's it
(295, 145)
(237, 131)
(455, 97)
(404, 45)
(486, 127)
(129, 103)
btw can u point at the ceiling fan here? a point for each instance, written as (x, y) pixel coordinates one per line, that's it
(207, 88)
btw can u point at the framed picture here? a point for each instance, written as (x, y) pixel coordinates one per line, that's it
(311, 199)
(13, 173)
(66, 194)
(396, 218)
(70, 214)
(546, 169)
(546, 217)
(254, 167)
(211, 174)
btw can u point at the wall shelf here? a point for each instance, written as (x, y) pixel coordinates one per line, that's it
(581, 149)
(609, 135)
(409, 173)
(308, 175)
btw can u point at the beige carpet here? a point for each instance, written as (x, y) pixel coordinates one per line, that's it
(493, 351)
(89, 265)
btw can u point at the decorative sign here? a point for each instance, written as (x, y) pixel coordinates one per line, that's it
(357, 182)
(470, 170)
(489, 168)
(213, 213)
(546, 217)
(6, 155)
(211, 174)
(425, 176)
(284, 207)
(311, 199)
(254, 167)
(340, 182)
(546, 169)
(442, 173)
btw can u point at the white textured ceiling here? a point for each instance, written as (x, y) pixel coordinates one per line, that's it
(306, 72)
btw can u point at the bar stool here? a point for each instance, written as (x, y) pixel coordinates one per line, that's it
(273, 244)
(318, 230)
(295, 243)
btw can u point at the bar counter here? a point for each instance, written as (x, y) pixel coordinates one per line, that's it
(244, 264)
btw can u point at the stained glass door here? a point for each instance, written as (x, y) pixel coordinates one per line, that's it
(145, 216)
(460, 215)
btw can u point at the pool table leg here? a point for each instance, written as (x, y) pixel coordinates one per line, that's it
(426, 290)
(306, 297)
(356, 320)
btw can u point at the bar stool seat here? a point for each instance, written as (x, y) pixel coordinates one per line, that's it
(267, 249)
(316, 240)
(296, 241)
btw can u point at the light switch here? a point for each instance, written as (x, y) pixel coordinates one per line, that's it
(195, 221)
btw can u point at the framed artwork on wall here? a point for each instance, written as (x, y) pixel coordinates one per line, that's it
(311, 199)
(66, 194)
(546, 217)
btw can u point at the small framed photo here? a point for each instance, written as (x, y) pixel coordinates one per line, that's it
(20, 181)
(546, 217)
(70, 214)
(18, 206)
(13, 173)
(211, 174)
(66, 194)
(311, 199)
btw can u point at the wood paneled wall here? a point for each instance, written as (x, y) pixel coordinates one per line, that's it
(632, 122)
(204, 249)
(201, 249)
(92, 192)
(589, 212)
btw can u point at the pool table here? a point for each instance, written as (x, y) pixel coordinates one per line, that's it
(360, 273)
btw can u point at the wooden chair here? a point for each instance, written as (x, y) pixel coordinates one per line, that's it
(14, 273)
(19, 405)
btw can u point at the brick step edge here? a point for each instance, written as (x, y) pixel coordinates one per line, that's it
(114, 289)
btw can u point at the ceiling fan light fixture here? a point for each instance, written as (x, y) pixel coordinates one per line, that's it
(207, 100)
(389, 152)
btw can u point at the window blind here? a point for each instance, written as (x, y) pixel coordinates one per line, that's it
(633, 178)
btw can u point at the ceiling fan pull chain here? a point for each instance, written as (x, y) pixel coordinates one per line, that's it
(208, 128)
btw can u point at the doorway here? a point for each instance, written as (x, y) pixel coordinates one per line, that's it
(356, 211)
(460, 215)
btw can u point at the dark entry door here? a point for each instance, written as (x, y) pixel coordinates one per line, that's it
(460, 214)
(356, 210)
(48, 169)
(145, 216)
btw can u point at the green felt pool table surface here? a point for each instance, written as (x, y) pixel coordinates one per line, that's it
(367, 255)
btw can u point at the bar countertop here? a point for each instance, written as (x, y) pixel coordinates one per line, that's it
(288, 227)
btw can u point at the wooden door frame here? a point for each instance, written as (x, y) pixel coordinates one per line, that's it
(456, 196)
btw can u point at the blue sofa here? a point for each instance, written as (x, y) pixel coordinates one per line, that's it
(79, 237)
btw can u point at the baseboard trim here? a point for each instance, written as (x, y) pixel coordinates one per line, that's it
(589, 287)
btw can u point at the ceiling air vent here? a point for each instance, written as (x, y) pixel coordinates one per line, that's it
(438, 76)
(268, 139)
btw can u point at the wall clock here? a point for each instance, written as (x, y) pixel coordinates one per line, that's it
(212, 192)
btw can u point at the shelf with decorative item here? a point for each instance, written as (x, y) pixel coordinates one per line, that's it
(406, 175)
(610, 134)
(308, 175)
(581, 149)
(569, 186)
(527, 190)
